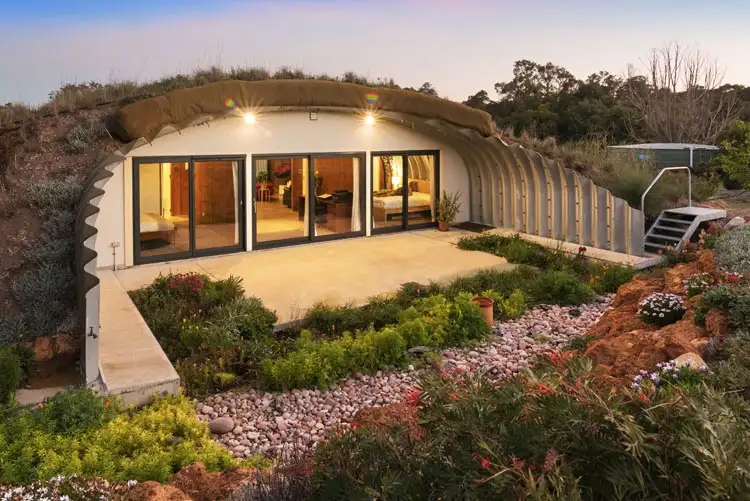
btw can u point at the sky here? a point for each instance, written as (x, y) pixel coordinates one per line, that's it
(460, 46)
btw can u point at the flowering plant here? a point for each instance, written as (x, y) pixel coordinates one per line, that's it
(661, 308)
(668, 374)
(698, 284)
(733, 277)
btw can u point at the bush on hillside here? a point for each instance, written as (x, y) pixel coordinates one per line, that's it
(10, 374)
(80, 435)
(561, 287)
(83, 135)
(45, 291)
(661, 309)
(732, 250)
(553, 433)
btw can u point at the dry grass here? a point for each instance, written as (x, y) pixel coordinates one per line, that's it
(621, 172)
(73, 97)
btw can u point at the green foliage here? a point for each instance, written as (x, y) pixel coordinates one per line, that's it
(661, 309)
(83, 135)
(215, 336)
(431, 321)
(507, 308)
(551, 433)
(732, 372)
(581, 343)
(10, 373)
(514, 249)
(734, 300)
(325, 320)
(698, 284)
(732, 250)
(734, 159)
(382, 311)
(448, 206)
(45, 290)
(501, 282)
(561, 287)
(607, 278)
(80, 434)
(411, 291)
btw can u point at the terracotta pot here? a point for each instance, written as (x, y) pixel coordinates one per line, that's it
(443, 226)
(486, 304)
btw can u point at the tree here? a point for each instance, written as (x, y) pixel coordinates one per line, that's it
(735, 159)
(682, 100)
(426, 88)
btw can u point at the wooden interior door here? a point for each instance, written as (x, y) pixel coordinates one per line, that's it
(179, 179)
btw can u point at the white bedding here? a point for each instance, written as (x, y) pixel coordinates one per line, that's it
(416, 199)
(151, 223)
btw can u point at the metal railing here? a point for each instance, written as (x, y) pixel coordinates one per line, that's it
(690, 185)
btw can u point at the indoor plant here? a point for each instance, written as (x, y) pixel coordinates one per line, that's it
(447, 209)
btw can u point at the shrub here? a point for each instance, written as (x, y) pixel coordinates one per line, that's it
(55, 195)
(698, 284)
(411, 291)
(514, 249)
(45, 293)
(607, 278)
(668, 374)
(507, 308)
(661, 308)
(734, 300)
(561, 287)
(554, 433)
(10, 373)
(84, 134)
(77, 411)
(150, 444)
(432, 321)
(326, 320)
(581, 343)
(732, 374)
(200, 375)
(382, 311)
(732, 250)
(501, 282)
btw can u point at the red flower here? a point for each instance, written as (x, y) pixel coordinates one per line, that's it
(353, 425)
(543, 388)
(485, 463)
(643, 398)
(459, 370)
(413, 398)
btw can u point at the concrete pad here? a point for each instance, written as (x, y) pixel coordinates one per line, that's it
(572, 248)
(131, 362)
(291, 280)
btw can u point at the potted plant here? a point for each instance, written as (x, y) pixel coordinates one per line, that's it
(447, 209)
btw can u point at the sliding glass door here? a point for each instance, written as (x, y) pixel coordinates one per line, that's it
(405, 188)
(185, 207)
(304, 198)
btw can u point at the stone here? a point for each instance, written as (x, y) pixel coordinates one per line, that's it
(691, 360)
(717, 323)
(207, 409)
(735, 222)
(221, 425)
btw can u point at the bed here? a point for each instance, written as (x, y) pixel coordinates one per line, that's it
(418, 201)
(154, 226)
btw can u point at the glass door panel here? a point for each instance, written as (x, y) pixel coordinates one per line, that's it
(336, 201)
(422, 190)
(163, 209)
(387, 191)
(217, 204)
(280, 199)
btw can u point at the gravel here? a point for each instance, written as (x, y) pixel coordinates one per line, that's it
(285, 425)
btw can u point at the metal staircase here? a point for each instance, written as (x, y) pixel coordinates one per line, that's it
(674, 227)
(671, 229)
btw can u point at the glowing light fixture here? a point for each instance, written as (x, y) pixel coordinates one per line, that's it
(370, 119)
(249, 118)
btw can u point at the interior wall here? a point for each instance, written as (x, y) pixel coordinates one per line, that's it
(149, 188)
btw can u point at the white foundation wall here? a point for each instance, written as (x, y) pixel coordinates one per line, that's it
(274, 133)
(112, 220)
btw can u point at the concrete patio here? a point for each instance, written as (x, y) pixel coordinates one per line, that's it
(290, 280)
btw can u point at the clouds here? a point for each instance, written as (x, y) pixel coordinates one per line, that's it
(459, 46)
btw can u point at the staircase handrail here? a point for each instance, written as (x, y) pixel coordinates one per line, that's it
(690, 185)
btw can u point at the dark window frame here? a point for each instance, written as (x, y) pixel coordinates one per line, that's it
(311, 238)
(193, 251)
(404, 226)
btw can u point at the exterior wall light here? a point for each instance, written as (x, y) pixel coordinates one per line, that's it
(249, 118)
(370, 119)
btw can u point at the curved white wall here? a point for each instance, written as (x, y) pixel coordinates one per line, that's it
(274, 133)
